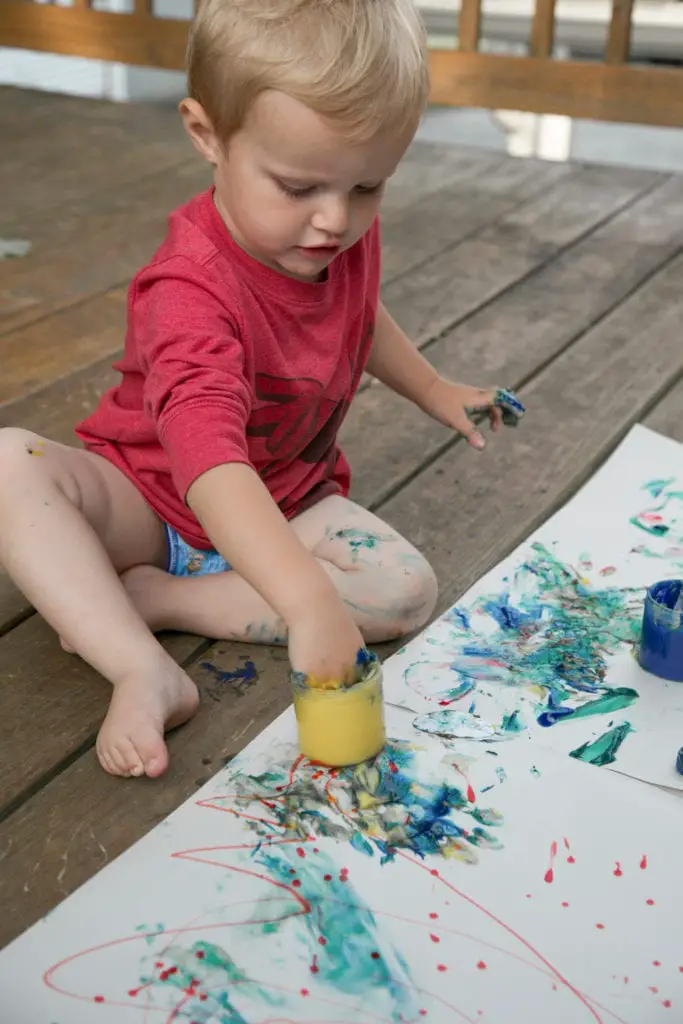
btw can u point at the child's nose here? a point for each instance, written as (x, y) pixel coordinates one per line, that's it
(332, 216)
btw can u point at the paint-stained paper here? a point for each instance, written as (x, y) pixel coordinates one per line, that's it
(543, 649)
(514, 887)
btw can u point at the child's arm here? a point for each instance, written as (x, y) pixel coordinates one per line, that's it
(396, 362)
(248, 529)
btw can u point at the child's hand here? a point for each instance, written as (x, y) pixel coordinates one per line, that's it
(450, 404)
(324, 643)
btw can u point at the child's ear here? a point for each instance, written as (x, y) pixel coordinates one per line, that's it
(199, 128)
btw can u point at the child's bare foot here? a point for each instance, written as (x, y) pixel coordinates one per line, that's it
(131, 739)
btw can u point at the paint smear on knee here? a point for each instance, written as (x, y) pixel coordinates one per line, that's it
(359, 540)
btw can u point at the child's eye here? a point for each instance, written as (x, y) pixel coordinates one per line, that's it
(295, 193)
(368, 190)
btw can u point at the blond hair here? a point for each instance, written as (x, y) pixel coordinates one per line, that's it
(359, 63)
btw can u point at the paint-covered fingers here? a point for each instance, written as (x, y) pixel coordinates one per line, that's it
(454, 404)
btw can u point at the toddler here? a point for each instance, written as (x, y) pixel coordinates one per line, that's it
(210, 495)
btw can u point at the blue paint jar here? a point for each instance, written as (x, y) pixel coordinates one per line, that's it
(661, 641)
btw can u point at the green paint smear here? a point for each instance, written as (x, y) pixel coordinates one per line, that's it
(612, 700)
(603, 750)
(512, 722)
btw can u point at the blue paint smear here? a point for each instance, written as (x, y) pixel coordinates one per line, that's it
(553, 631)
(246, 674)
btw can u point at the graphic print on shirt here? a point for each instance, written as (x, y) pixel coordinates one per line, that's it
(297, 419)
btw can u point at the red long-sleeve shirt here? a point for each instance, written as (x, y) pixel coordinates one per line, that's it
(227, 360)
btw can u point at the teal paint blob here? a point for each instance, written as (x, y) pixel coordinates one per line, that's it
(512, 722)
(604, 749)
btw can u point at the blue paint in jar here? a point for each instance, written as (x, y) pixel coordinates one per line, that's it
(661, 640)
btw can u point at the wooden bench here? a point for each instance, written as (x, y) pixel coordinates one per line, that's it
(608, 90)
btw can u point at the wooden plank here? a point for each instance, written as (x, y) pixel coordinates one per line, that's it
(100, 35)
(619, 35)
(586, 89)
(467, 512)
(524, 328)
(543, 29)
(114, 143)
(76, 256)
(446, 217)
(52, 706)
(461, 278)
(667, 415)
(469, 25)
(45, 350)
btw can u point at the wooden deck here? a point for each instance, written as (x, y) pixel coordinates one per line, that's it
(562, 281)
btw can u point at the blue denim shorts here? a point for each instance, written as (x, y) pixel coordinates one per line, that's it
(184, 560)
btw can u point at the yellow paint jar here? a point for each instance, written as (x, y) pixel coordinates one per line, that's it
(344, 725)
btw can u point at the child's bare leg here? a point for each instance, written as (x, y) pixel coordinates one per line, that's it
(69, 523)
(388, 586)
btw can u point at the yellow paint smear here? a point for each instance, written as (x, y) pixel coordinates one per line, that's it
(344, 725)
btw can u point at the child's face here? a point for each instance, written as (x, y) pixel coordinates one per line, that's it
(293, 192)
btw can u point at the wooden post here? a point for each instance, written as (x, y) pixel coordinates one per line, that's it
(469, 25)
(619, 37)
(543, 29)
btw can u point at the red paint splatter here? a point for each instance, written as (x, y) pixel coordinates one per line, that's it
(600, 926)
(656, 963)
(99, 999)
(305, 992)
(133, 992)
(200, 954)
(643, 862)
(666, 1003)
(471, 795)
(434, 872)
(433, 916)
(159, 963)
(566, 842)
(529, 896)
(565, 904)
(393, 767)
(316, 850)
(571, 860)
(550, 874)
(292, 871)
(314, 965)
(344, 875)
(434, 938)
(680, 970)
(322, 941)
(481, 966)
(441, 967)
(296, 883)
(608, 570)
(653, 988)
(423, 1013)
(617, 871)
(327, 878)
(203, 997)
(375, 956)
(300, 851)
(626, 980)
(651, 903)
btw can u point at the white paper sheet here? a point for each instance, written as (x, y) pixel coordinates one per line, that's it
(562, 613)
(460, 881)
(198, 922)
